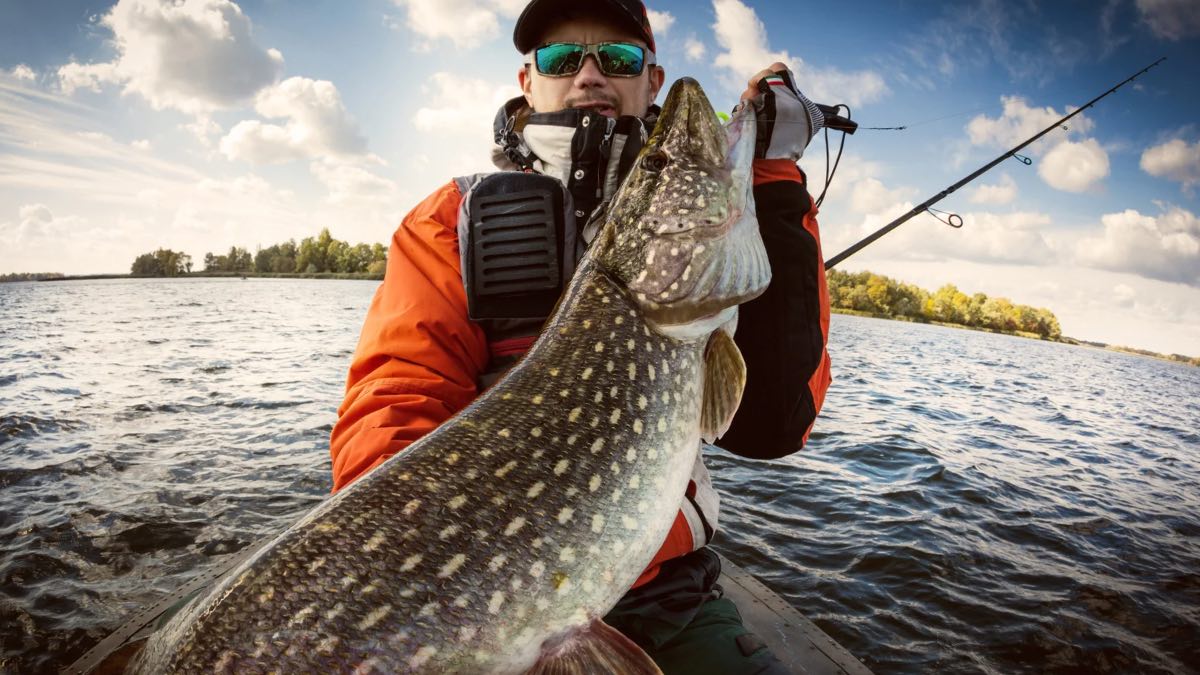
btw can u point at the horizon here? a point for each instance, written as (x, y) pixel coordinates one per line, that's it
(135, 125)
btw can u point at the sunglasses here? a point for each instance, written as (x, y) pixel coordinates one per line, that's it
(616, 59)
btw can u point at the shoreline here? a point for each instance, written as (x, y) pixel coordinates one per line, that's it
(1181, 359)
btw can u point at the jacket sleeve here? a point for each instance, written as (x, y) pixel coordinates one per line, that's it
(419, 355)
(783, 333)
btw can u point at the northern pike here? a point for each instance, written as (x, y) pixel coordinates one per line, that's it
(498, 541)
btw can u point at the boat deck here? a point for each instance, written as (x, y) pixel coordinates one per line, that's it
(799, 643)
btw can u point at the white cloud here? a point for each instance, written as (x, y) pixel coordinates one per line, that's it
(22, 72)
(193, 55)
(1074, 167)
(466, 23)
(317, 125)
(1004, 192)
(35, 223)
(456, 103)
(868, 195)
(348, 182)
(1123, 295)
(142, 144)
(743, 37)
(1018, 122)
(694, 49)
(1174, 160)
(660, 22)
(1171, 19)
(1164, 247)
(75, 76)
(1067, 165)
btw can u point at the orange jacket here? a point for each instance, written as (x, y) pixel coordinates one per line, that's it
(419, 356)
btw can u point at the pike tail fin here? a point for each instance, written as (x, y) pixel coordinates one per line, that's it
(595, 650)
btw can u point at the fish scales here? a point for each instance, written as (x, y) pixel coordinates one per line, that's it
(526, 516)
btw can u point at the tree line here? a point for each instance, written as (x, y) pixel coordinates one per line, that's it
(879, 295)
(313, 255)
(30, 276)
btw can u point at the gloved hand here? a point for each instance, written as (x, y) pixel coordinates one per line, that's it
(787, 120)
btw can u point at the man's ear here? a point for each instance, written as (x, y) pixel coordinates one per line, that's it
(657, 77)
(526, 81)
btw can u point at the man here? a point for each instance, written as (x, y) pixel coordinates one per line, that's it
(432, 340)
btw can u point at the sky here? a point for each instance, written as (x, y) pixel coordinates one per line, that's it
(198, 125)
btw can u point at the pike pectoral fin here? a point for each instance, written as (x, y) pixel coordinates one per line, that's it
(724, 380)
(597, 649)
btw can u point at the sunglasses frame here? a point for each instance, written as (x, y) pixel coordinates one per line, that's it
(593, 50)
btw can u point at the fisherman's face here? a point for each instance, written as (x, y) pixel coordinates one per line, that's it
(590, 88)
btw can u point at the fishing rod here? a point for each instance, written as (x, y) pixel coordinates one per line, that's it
(925, 206)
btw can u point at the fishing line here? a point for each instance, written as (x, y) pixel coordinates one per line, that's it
(924, 207)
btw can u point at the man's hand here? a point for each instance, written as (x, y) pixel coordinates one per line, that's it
(787, 120)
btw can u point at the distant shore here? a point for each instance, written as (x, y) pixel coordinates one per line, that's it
(361, 276)
(1173, 358)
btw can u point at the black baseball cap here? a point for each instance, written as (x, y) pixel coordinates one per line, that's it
(541, 14)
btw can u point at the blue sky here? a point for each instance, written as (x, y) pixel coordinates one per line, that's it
(198, 125)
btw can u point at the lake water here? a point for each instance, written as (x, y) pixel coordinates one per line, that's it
(969, 502)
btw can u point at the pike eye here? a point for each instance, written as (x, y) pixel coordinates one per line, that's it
(656, 161)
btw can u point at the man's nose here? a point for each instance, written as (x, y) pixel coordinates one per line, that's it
(589, 74)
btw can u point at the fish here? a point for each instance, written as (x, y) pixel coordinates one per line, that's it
(497, 542)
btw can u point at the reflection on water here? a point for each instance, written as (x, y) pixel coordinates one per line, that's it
(968, 502)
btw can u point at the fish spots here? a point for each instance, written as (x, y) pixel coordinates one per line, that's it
(536, 432)
(495, 602)
(503, 471)
(467, 633)
(597, 523)
(514, 526)
(610, 366)
(598, 398)
(642, 506)
(422, 656)
(599, 347)
(642, 402)
(613, 391)
(375, 541)
(411, 507)
(456, 502)
(497, 562)
(614, 416)
(316, 565)
(504, 433)
(554, 372)
(650, 372)
(448, 531)
(302, 615)
(662, 424)
(573, 416)
(565, 515)
(616, 467)
(632, 371)
(566, 554)
(267, 594)
(616, 495)
(562, 582)
(410, 563)
(452, 566)
(428, 609)
(637, 426)
(537, 399)
(535, 490)
(462, 601)
(629, 522)
(537, 569)
(587, 373)
(635, 482)
(597, 445)
(561, 467)
(564, 392)
(335, 612)
(452, 458)
(631, 454)
(630, 344)
(594, 483)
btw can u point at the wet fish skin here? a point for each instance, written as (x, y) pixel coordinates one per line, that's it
(512, 528)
